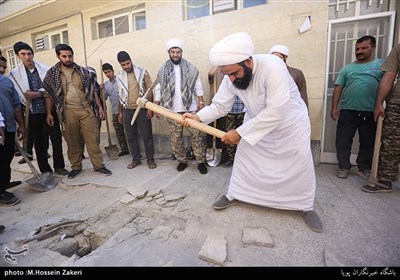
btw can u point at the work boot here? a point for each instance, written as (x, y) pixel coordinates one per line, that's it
(202, 168)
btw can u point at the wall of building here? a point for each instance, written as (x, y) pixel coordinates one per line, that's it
(273, 23)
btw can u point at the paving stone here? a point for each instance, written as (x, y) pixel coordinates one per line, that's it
(214, 249)
(257, 236)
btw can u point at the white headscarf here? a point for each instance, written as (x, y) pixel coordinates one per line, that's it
(232, 49)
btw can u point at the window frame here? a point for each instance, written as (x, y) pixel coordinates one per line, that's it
(130, 16)
(47, 36)
(56, 32)
(13, 59)
(237, 5)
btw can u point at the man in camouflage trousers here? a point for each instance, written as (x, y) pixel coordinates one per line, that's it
(389, 157)
(110, 88)
(233, 120)
(180, 91)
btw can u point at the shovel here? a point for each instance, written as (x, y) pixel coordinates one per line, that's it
(214, 155)
(41, 182)
(111, 150)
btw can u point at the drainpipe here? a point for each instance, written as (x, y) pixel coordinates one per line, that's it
(83, 39)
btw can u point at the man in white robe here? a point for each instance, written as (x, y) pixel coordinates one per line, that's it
(273, 165)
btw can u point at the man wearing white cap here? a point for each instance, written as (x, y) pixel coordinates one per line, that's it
(180, 91)
(282, 52)
(273, 164)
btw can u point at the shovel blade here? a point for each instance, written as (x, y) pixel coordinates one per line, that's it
(213, 157)
(44, 182)
(112, 151)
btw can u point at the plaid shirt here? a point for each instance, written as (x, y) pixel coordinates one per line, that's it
(237, 107)
(38, 104)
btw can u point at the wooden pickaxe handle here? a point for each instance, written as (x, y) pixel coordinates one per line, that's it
(142, 102)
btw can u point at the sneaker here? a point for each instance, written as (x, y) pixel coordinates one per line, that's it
(380, 186)
(342, 173)
(62, 171)
(123, 153)
(103, 171)
(223, 202)
(181, 166)
(17, 154)
(22, 160)
(8, 199)
(202, 168)
(73, 173)
(312, 221)
(364, 173)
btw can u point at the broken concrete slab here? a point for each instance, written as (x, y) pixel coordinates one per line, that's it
(214, 249)
(257, 236)
(127, 199)
(137, 192)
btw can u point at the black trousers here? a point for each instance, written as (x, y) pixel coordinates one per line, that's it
(143, 126)
(6, 156)
(56, 140)
(349, 122)
(38, 126)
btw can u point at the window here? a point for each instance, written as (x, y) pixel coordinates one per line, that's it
(139, 21)
(201, 8)
(252, 3)
(119, 23)
(50, 39)
(350, 8)
(13, 59)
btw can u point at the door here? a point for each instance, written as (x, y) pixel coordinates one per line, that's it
(342, 36)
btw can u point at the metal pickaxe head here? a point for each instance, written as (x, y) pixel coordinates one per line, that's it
(142, 100)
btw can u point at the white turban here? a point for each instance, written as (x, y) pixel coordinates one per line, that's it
(280, 49)
(232, 49)
(174, 43)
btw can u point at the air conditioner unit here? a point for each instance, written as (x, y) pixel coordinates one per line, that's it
(42, 43)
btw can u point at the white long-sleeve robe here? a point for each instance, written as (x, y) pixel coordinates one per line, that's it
(273, 164)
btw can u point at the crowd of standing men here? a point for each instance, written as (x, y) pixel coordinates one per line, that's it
(273, 128)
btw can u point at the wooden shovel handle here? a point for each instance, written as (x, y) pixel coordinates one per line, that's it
(27, 109)
(103, 98)
(375, 159)
(177, 117)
